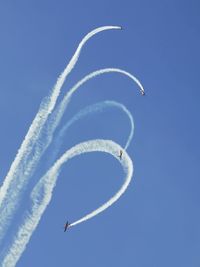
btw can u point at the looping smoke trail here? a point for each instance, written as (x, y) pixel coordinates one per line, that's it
(56, 116)
(37, 140)
(42, 193)
(25, 171)
(99, 72)
(30, 152)
(39, 192)
(45, 109)
(98, 107)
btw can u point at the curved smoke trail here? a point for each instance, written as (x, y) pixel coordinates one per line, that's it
(59, 111)
(44, 188)
(31, 149)
(42, 193)
(98, 107)
(29, 163)
(37, 140)
(46, 108)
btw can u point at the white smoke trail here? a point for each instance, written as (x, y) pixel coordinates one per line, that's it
(37, 140)
(59, 111)
(98, 107)
(30, 151)
(45, 109)
(42, 193)
(19, 182)
(100, 72)
(21, 236)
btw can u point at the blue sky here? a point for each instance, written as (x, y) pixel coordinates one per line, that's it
(156, 223)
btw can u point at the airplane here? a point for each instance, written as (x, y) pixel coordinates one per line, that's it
(120, 154)
(143, 93)
(66, 226)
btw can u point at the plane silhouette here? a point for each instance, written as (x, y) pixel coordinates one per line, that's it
(66, 226)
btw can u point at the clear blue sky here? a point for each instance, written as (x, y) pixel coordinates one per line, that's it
(157, 222)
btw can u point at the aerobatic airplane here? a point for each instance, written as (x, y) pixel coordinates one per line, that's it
(66, 226)
(120, 154)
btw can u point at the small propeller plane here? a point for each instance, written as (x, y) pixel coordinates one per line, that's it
(66, 226)
(120, 154)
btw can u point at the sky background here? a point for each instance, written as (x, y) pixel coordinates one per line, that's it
(157, 222)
